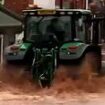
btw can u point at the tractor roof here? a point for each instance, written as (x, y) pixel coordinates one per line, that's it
(56, 12)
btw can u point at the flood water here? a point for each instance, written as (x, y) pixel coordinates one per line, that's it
(17, 88)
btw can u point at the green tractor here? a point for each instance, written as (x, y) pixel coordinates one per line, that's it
(59, 36)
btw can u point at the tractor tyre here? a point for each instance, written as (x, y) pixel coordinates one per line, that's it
(49, 76)
(92, 62)
(35, 65)
(33, 70)
(46, 77)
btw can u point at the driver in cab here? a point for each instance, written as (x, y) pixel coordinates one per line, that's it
(57, 28)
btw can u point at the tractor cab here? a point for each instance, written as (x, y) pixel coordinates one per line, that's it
(64, 25)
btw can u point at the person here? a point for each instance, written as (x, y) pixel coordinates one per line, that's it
(56, 27)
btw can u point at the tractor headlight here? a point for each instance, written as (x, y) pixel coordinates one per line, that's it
(14, 48)
(72, 49)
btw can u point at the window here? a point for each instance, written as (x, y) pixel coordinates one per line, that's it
(2, 2)
(39, 26)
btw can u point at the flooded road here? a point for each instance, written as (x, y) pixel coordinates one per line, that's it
(8, 98)
(17, 88)
(50, 100)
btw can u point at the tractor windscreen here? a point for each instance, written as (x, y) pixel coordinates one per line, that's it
(63, 27)
(59, 26)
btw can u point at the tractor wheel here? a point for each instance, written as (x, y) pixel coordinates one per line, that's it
(91, 64)
(51, 76)
(33, 69)
(58, 63)
(48, 75)
(51, 70)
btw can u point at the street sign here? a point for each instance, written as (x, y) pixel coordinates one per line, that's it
(47, 4)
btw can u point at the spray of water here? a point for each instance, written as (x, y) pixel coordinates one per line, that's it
(67, 80)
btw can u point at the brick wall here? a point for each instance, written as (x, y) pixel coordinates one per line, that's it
(19, 5)
(16, 5)
(74, 3)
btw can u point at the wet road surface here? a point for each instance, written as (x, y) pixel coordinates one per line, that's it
(17, 88)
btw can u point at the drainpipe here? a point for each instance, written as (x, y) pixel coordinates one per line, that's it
(2, 49)
(87, 4)
(61, 4)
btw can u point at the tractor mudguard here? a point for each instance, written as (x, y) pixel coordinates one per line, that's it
(92, 48)
(17, 54)
(75, 50)
(72, 50)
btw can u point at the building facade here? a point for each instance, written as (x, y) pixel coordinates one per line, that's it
(10, 25)
(72, 3)
(16, 5)
(19, 5)
(2, 2)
